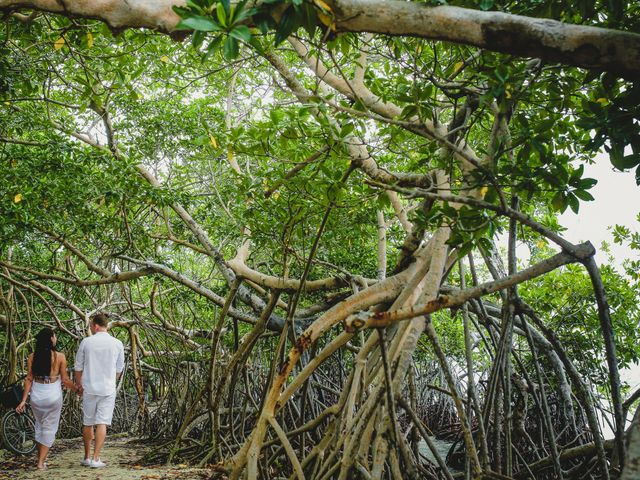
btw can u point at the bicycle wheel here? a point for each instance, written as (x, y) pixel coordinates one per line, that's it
(18, 433)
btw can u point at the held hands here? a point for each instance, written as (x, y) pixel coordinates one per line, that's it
(22, 406)
(75, 388)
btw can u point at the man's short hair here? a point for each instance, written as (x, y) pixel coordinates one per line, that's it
(100, 319)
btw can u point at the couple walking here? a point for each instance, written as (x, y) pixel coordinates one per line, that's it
(98, 366)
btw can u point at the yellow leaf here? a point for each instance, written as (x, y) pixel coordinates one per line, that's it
(14, 162)
(58, 44)
(327, 21)
(276, 195)
(89, 39)
(507, 90)
(164, 58)
(17, 198)
(323, 5)
(483, 191)
(603, 101)
(213, 141)
(540, 243)
(230, 154)
(457, 67)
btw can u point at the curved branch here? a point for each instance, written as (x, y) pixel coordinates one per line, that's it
(383, 319)
(112, 278)
(199, 289)
(551, 40)
(285, 284)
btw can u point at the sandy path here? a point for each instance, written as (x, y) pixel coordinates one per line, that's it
(119, 454)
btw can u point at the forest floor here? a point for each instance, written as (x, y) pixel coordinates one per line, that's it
(121, 455)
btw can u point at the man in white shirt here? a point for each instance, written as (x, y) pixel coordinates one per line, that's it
(98, 366)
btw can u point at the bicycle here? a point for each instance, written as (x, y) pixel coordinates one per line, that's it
(17, 431)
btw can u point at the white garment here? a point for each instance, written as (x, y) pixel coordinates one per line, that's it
(46, 404)
(98, 409)
(100, 357)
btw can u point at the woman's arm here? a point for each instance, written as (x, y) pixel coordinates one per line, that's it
(22, 406)
(64, 375)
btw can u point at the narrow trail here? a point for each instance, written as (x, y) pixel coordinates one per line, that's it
(120, 455)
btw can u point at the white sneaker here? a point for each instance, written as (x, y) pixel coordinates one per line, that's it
(97, 464)
(86, 462)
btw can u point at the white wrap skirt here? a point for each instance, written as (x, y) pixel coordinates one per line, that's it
(46, 404)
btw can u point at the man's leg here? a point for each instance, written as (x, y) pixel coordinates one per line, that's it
(101, 434)
(87, 436)
(89, 405)
(104, 414)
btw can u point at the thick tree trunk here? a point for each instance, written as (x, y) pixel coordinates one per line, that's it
(632, 464)
(550, 40)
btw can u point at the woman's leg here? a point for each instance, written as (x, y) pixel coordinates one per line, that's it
(43, 451)
(46, 411)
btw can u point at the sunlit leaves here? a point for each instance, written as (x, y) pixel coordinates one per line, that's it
(199, 23)
(206, 17)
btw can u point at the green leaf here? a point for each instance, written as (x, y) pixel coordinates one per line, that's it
(221, 13)
(288, 23)
(198, 23)
(409, 111)
(335, 192)
(264, 21)
(241, 32)
(545, 124)
(244, 14)
(582, 195)
(577, 173)
(383, 201)
(231, 48)
(559, 202)
(346, 130)
(212, 47)
(621, 161)
(235, 11)
(573, 202)
(464, 249)
(587, 183)
(486, 4)
(197, 38)
(308, 18)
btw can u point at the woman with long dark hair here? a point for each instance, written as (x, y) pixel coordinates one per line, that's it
(47, 370)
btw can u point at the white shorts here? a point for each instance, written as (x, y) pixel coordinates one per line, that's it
(98, 409)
